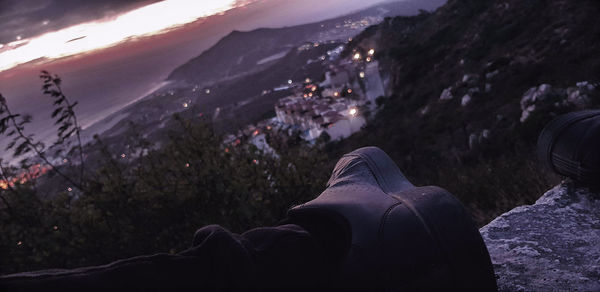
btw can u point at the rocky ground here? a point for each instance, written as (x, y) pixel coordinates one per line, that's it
(551, 245)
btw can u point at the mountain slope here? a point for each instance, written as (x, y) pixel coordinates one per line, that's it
(468, 97)
(241, 52)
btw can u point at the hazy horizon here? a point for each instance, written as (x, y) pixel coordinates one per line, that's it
(103, 80)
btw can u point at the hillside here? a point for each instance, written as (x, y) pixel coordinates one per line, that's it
(240, 52)
(471, 86)
(239, 67)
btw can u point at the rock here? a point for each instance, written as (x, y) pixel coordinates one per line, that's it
(447, 94)
(577, 96)
(466, 99)
(470, 78)
(531, 97)
(552, 245)
(545, 95)
(526, 112)
(488, 87)
(585, 85)
(472, 140)
(485, 134)
(491, 74)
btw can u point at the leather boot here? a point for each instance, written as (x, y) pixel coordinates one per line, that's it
(393, 236)
(570, 146)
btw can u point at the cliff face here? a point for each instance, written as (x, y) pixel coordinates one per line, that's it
(550, 245)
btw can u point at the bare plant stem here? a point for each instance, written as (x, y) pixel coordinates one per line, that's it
(77, 133)
(39, 152)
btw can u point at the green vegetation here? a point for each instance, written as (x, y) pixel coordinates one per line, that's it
(148, 203)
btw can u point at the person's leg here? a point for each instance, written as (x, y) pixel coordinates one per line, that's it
(399, 237)
(285, 257)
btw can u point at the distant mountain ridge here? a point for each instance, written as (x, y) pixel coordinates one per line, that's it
(239, 52)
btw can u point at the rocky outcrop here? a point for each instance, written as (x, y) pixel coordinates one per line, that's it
(552, 245)
(546, 96)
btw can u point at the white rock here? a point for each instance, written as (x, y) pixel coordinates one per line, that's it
(528, 97)
(552, 245)
(447, 94)
(485, 134)
(466, 99)
(544, 88)
(585, 85)
(531, 97)
(526, 112)
(472, 140)
(582, 84)
(491, 74)
(468, 78)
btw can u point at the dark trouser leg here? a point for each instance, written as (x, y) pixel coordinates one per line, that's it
(286, 258)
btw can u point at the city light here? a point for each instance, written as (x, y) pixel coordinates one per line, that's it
(357, 56)
(371, 52)
(361, 74)
(290, 81)
(353, 112)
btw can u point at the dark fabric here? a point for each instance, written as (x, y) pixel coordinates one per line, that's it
(283, 258)
(400, 237)
(569, 146)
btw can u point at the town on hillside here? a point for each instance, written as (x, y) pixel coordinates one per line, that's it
(332, 109)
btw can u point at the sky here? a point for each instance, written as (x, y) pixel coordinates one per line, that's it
(27, 18)
(47, 29)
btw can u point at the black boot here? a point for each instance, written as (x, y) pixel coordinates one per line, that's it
(393, 236)
(570, 146)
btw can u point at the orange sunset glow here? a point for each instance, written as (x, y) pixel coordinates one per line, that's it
(149, 20)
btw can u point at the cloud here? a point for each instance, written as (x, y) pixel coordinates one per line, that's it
(28, 18)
